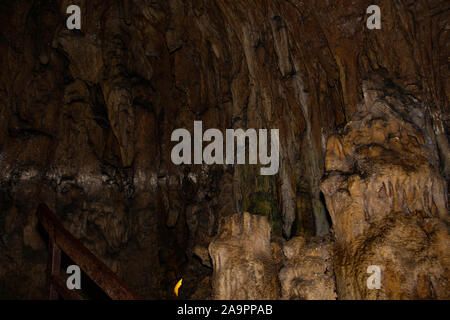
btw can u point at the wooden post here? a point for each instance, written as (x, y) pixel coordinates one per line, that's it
(54, 263)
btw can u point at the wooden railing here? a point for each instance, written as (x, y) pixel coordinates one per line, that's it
(62, 240)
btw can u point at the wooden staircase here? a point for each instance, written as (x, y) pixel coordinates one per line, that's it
(62, 240)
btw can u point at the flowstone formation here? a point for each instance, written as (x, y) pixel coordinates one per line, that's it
(251, 263)
(307, 272)
(387, 199)
(244, 267)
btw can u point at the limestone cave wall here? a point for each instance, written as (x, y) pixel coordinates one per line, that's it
(86, 118)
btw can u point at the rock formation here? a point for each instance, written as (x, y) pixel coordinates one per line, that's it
(308, 273)
(387, 201)
(247, 265)
(244, 267)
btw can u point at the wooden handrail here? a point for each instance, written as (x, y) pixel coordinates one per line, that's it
(61, 239)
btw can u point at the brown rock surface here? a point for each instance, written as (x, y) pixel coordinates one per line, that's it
(86, 118)
(248, 266)
(387, 201)
(308, 271)
(241, 253)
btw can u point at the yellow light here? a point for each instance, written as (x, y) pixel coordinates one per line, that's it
(177, 286)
